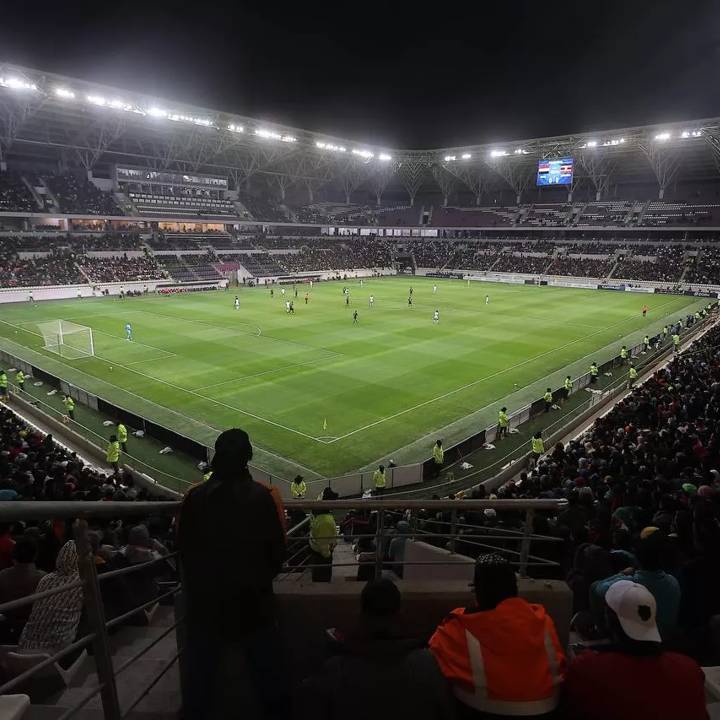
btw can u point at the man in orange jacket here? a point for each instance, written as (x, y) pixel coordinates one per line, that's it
(503, 656)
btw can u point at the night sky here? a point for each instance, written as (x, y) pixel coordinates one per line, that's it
(395, 74)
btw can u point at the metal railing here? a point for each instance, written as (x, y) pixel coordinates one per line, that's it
(421, 515)
(425, 525)
(98, 638)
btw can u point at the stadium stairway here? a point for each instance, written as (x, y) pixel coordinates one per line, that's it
(163, 702)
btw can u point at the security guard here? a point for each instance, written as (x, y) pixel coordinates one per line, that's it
(567, 388)
(593, 373)
(676, 342)
(623, 355)
(548, 399)
(20, 380)
(3, 384)
(633, 376)
(298, 488)
(122, 434)
(69, 404)
(379, 480)
(112, 454)
(503, 422)
(538, 446)
(646, 343)
(438, 458)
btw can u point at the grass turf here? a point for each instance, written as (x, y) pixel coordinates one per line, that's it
(386, 386)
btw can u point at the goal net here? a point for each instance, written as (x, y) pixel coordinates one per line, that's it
(67, 339)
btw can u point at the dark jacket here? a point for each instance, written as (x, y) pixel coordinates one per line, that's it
(377, 675)
(231, 546)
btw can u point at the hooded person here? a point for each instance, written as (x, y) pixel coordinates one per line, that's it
(502, 656)
(378, 671)
(232, 545)
(54, 620)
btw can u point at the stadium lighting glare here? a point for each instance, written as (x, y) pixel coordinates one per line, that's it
(498, 153)
(188, 118)
(520, 151)
(466, 156)
(97, 100)
(613, 142)
(329, 146)
(592, 143)
(268, 134)
(663, 136)
(288, 139)
(236, 128)
(157, 112)
(363, 153)
(65, 93)
(450, 158)
(384, 157)
(16, 84)
(690, 133)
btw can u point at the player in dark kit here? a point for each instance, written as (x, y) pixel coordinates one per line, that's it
(355, 317)
(347, 301)
(410, 301)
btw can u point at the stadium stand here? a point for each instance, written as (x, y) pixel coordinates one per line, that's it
(119, 269)
(15, 195)
(55, 269)
(78, 195)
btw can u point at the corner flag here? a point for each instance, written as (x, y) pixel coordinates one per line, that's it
(325, 424)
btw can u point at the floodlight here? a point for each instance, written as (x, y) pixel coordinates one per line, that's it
(267, 134)
(363, 153)
(498, 153)
(663, 136)
(384, 157)
(592, 143)
(520, 151)
(696, 133)
(450, 158)
(329, 146)
(157, 112)
(288, 139)
(97, 100)
(466, 156)
(236, 128)
(16, 84)
(64, 93)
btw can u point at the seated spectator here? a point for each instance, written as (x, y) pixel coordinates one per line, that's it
(378, 672)
(502, 656)
(54, 620)
(700, 587)
(635, 677)
(665, 588)
(16, 582)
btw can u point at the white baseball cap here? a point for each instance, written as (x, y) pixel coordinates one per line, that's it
(635, 608)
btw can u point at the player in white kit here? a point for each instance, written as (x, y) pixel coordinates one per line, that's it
(436, 317)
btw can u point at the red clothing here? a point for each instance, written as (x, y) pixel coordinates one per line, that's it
(602, 685)
(7, 545)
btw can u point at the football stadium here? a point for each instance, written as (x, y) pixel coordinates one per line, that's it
(274, 401)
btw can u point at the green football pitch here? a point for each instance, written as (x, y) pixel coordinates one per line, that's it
(322, 395)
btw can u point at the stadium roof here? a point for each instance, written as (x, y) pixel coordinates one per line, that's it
(52, 117)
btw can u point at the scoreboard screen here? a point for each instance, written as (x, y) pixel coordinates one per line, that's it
(555, 172)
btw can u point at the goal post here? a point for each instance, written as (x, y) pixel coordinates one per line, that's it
(67, 339)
